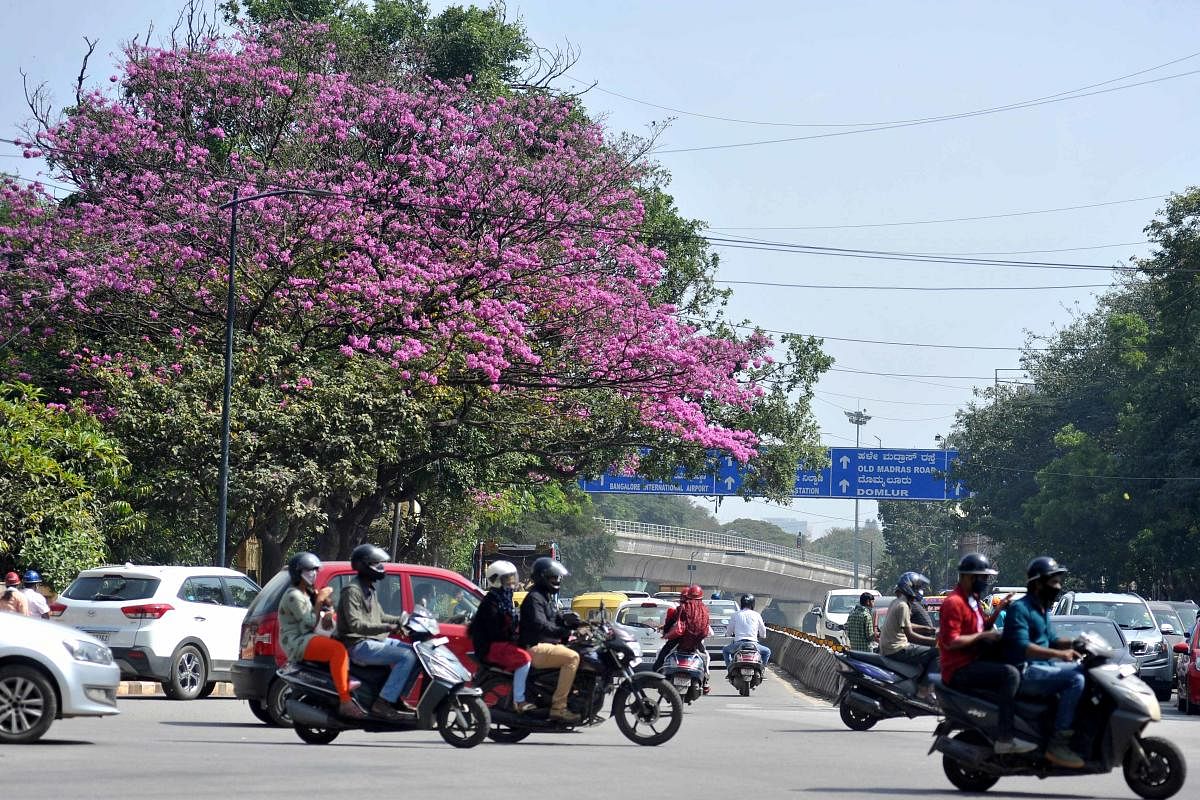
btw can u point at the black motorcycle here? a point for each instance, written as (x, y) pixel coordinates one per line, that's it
(1115, 708)
(745, 668)
(447, 702)
(875, 687)
(645, 705)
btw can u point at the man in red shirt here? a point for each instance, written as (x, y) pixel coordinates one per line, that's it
(962, 638)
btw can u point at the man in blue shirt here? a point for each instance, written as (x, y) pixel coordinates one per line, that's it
(1031, 645)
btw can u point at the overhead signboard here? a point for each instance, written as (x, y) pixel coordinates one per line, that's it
(865, 473)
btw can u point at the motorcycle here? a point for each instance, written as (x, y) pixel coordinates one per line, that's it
(745, 668)
(645, 705)
(687, 672)
(447, 701)
(875, 687)
(1115, 708)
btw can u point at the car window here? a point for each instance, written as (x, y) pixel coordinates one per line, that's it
(1105, 630)
(1131, 616)
(448, 601)
(643, 617)
(1167, 616)
(206, 589)
(242, 591)
(111, 587)
(841, 603)
(387, 590)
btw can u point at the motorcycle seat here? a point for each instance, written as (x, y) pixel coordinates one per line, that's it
(899, 667)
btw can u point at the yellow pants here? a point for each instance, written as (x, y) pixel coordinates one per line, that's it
(549, 656)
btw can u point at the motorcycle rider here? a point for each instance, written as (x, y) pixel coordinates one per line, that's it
(964, 640)
(542, 632)
(898, 638)
(300, 614)
(686, 627)
(746, 625)
(493, 630)
(38, 607)
(363, 627)
(860, 625)
(1031, 645)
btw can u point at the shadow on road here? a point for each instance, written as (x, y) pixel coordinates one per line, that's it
(189, 724)
(61, 742)
(925, 792)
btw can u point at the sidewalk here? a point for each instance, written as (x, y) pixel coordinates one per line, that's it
(150, 688)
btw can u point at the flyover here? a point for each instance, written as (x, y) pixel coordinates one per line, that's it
(648, 555)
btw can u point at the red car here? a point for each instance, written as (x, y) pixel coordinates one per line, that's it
(1188, 672)
(451, 597)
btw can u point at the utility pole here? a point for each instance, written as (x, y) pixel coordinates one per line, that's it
(857, 419)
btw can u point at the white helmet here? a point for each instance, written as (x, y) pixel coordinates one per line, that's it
(496, 573)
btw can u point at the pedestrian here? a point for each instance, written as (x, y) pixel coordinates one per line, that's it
(860, 625)
(12, 600)
(38, 607)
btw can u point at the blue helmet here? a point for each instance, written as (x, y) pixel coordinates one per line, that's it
(912, 584)
(32, 576)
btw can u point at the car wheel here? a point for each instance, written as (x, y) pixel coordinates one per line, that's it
(259, 709)
(28, 704)
(189, 674)
(207, 691)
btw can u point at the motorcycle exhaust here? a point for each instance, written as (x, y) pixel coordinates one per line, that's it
(962, 752)
(865, 705)
(310, 716)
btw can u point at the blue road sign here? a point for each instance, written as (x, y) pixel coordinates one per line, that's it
(865, 473)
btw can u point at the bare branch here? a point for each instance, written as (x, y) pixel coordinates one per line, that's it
(38, 100)
(91, 43)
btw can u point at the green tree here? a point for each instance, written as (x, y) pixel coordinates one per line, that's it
(920, 537)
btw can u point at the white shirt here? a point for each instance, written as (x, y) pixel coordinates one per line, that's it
(746, 624)
(37, 603)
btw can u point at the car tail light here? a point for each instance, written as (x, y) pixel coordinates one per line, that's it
(147, 611)
(57, 609)
(264, 636)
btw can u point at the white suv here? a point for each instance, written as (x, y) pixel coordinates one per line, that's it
(177, 625)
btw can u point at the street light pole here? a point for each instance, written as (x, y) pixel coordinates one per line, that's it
(227, 396)
(857, 419)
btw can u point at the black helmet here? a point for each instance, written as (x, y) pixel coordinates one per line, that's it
(912, 584)
(368, 560)
(975, 564)
(301, 562)
(547, 574)
(1044, 567)
(746, 601)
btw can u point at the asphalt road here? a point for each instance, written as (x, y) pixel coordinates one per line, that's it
(775, 743)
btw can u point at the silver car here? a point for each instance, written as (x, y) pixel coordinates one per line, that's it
(1133, 617)
(719, 614)
(644, 619)
(49, 671)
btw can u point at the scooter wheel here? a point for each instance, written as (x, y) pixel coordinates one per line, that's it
(1161, 775)
(856, 720)
(962, 776)
(744, 689)
(463, 721)
(316, 735)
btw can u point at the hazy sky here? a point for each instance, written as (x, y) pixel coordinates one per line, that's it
(804, 68)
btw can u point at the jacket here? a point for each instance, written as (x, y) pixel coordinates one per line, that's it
(361, 617)
(492, 623)
(540, 620)
(297, 622)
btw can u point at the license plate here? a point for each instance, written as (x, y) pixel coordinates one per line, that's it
(683, 681)
(747, 673)
(718, 630)
(103, 636)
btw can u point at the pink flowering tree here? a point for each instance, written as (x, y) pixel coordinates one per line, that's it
(470, 304)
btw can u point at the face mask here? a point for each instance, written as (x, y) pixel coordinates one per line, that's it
(979, 584)
(1048, 594)
(309, 576)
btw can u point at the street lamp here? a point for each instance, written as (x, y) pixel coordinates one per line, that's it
(857, 419)
(230, 309)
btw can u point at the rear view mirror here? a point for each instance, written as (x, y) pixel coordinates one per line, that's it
(815, 610)
(1181, 648)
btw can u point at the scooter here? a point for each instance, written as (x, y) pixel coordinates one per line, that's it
(447, 702)
(645, 705)
(875, 687)
(1115, 708)
(745, 668)
(686, 671)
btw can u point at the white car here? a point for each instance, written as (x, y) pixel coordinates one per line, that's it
(644, 617)
(49, 673)
(831, 617)
(180, 626)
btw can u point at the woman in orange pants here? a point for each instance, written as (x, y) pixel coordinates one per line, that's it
(299, 615)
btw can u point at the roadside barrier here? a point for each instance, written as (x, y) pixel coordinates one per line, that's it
(807, 659)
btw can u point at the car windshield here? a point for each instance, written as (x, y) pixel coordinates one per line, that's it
(1167, 616)
(111, 587)
(1105, 630)
(841, 603)
(642, 616)
(1129, 616)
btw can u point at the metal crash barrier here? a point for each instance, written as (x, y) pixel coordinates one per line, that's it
(807, 659)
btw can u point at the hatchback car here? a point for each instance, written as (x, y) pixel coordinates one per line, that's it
(1072, 626)
(1171, 627)
(451, 597)
(719, 614)
(644, 618)
(50, 672)
(175, 625)
(1188, 671)
(1132, 615)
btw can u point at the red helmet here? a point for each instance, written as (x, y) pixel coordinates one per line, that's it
(693, 592)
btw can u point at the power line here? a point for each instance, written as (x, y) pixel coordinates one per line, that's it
(1055, 250)
(914, 375)
(828, 287)
(888, 419)
(880, 400)
(834, 134)
(912, 121)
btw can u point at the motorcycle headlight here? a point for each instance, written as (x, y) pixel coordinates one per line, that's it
(90, 652)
